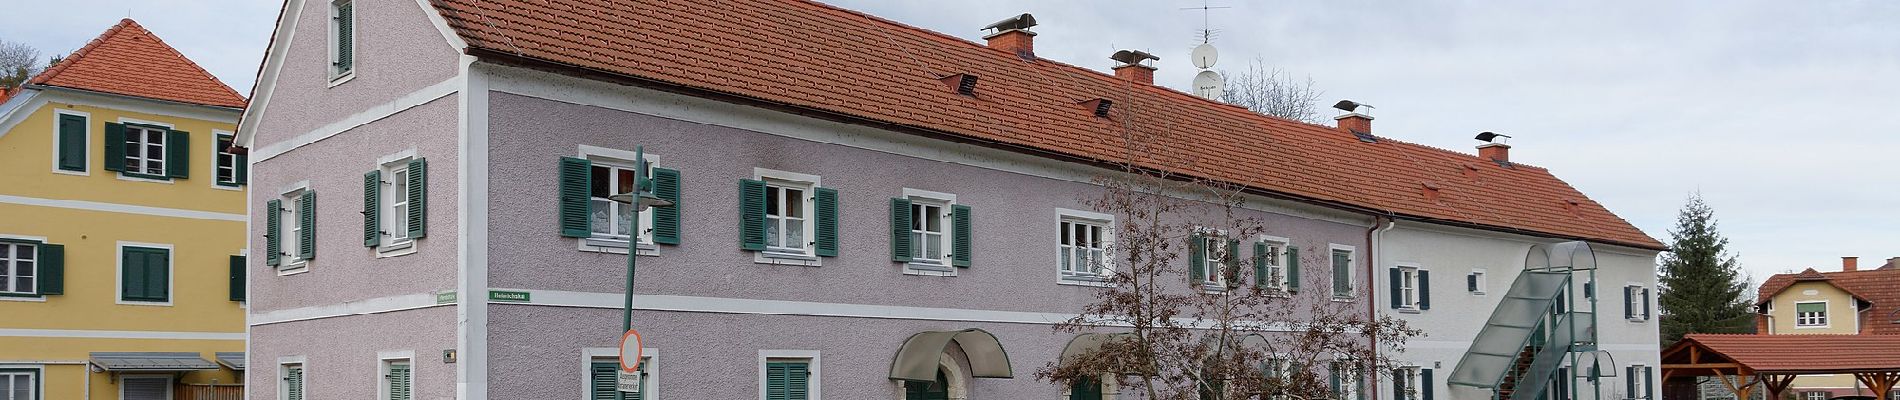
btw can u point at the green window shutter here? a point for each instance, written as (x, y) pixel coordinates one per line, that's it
(960, 239)
(1342, 273)
(666, 220)
(576, 178)
(273, 227)
(1425, 383)
(145, 274)
(1260, 263)
(1197, 259)
(372, 208)
(237, 278)
(307, 219)
(1085, 389)
(604, 378)
(72, 143)
(827, 223)
(1424, 290)
(400, 382)
(1332, 374)
(751, 215)
(243, 173)
(178, 154)
(345, 37)
(52, 269)
(418, 198)
(1230, 266)
(1646, 306)
(1292, 269)
(787, 381)
(293, 383)
(115, 146)
(1397, 277)
(900, 229)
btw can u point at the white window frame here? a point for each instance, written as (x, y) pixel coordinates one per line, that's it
(37, 374)
(1350, 378)
(171, 383)
(1408, 286)
(8, 265)
(1352, 273)
(943, 202)
(1214, 271)
(1277, 263)
(1074, 276)
(809, 184)
(393, 205)
(144, 154)
(171, 274)
(88, 139)
(811, 357)
(649, 360)
(219, 155)
(1480, 273)
(337, 77)
(289, 234)
(616, 159)
(284, 364)
(384, 360)
(1825, 322)
(1639, 381)
(161, 177)
(1814, 395)
(1633, 295)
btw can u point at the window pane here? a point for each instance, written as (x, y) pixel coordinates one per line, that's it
(626, 219)
(154, 136)
(772, 201)
(598, 187)
(795, 234)
(917, 244)
(934, 215)
(794, 203)
(23, 252)
(1095, 236)
(771, 230)
(625, 183)
(598, 213)
(1065, 232)
(916, 217)
(1067, 259)
(933, 244)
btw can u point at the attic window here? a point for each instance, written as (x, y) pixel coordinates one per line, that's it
(1365, 136)
(1430, 191)
(1470, 171)
(1571, 205)
(964, 84)
(1099, 107)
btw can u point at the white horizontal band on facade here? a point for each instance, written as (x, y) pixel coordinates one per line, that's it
(92, 334)
(122, 208)
(362, 307)
(1466, 344)
(374, 113)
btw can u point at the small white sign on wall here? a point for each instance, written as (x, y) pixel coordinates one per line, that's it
(629, 382)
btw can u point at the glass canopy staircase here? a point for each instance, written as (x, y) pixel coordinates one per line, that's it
(1521, 352)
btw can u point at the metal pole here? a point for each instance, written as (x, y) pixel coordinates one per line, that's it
(633, 249)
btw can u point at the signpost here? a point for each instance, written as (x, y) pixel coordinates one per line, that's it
(630, 348)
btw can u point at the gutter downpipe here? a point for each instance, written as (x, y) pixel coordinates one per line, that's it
(1375, 234)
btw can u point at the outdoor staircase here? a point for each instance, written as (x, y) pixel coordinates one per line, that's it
(1514, 355)
(1518, 369)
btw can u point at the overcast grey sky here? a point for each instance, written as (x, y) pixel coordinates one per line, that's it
(1784, 115)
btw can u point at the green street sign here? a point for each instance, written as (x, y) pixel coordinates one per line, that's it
(508, 295)
(445, 298)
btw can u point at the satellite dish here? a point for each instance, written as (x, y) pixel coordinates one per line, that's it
(1210, 85)
(1205, 56)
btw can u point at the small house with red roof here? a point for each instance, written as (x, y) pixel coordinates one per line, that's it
(122, 227)
(1848, 301)
(861, 208)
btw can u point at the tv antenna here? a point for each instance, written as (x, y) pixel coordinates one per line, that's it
(1207, 30)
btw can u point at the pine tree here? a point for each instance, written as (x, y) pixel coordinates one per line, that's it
(1703, 290)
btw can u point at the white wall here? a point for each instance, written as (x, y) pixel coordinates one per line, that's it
(1456, 315)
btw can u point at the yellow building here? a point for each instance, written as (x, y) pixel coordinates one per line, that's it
(1852, 301)
(121, 227)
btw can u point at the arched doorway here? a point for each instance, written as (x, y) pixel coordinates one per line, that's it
(949, 384)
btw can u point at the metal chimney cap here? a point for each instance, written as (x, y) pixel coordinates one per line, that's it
(1132, 57)
(1013, 23)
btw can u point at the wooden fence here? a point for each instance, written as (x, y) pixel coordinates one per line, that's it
(209, 392)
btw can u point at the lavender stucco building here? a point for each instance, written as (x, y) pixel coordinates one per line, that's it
(464, 248)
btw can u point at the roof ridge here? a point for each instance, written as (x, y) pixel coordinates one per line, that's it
(73, 58)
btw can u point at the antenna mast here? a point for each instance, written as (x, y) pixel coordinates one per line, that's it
(1207, 84)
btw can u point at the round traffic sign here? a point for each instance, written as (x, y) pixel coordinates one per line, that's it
(630, 351)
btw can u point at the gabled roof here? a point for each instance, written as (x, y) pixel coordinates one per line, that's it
(820, 60)
(1877, 287)
(129, 60)
(1795, 354)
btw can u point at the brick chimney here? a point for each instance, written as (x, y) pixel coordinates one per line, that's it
(1495, 152)
(1850, 264)
(1013, 35)
(1133, 65)
(1020, 42)
(1354, 122)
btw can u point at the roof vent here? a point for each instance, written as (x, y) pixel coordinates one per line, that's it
(1430, 191)
(1099, 106)
(964, 84)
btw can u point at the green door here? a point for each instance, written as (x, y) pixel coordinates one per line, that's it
(939, 390)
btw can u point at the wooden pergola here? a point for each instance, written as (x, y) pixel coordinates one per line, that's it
(1771, 362)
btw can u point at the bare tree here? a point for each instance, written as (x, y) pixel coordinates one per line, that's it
(1170, 330)
(1273, 92)
(18, 62)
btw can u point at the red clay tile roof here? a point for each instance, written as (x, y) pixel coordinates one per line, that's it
(1813, 354)
(129, 60)
(812, 57)
(1879, 287)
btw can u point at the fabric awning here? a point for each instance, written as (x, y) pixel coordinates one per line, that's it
(917, 359)
(231, 359)
(1089, 343)
(150, 361)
